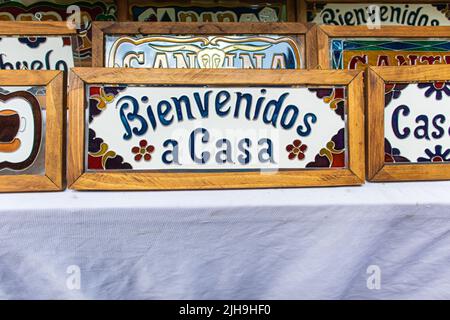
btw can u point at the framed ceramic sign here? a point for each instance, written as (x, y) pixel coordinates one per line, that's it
(200, 45)
(408, 123)
(31, 130)
(36, 46)
(45, 11)
(138, 129)
(356, 47)
(207, 11)
(407, 13)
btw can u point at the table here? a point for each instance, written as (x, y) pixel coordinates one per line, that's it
(324, 243)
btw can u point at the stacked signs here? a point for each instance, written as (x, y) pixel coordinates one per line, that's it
(81, 13)
(407, 120)
(200, 127)
(406, 112)
(211, 105)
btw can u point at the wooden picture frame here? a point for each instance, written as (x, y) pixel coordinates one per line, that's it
(319, 37)
(101, 29)
(39, 28)
(81, 179)
(377, 168)
(53, 178)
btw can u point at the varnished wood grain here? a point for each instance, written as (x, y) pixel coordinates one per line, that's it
(35, 28)
(418, 73)
(413, 172)
(79, 179)
(375, 123)
(26, 77)
(98, 44)
(225, 180)
(311, 48)
(214, 76)
(54, 135)
(323, 49)
(26, 183)
(356, 127)
(76, 99)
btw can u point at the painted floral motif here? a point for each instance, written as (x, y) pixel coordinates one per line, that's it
(32, 42)
(436, 156)
(444, 8)
(335, 97)
(101, 158)
(99, 155)
(67, 41)
(296, 150)
(392, 91)
(100, 97)
(392, 155)
(333, 155)
(143, 151)
(436, 88)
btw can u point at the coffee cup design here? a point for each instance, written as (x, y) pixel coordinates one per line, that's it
(10, 124)
(19, 146)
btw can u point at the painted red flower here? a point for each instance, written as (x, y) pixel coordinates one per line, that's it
(144, 150)
(296, 150)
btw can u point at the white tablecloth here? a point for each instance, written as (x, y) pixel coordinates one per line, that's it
(254, 244)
